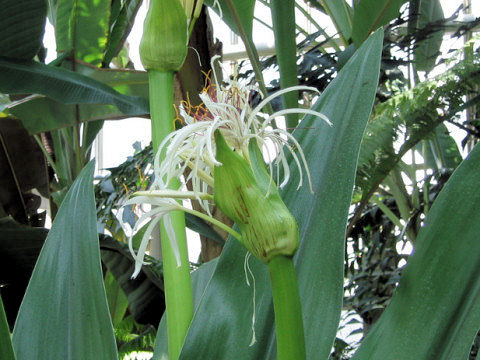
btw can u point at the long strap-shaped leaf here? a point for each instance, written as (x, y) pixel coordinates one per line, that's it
(64, 313)
(430, 316)
(221, 328)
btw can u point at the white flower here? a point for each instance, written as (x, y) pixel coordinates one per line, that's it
(227, 109)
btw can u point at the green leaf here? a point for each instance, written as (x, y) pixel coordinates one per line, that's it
(69, 88)
(244, 10)
(120, 25)
(341, 14)
(23, 24)
(427, 50)
(283, 18)
(440, 288)
(82, 27)
(225, 309)
(370, 15)
(64, 312)
(6, 348)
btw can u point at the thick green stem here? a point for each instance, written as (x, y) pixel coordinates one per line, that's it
(288, 310)
(178, 286)
(283, 18)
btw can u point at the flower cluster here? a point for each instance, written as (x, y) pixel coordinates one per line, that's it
(225, 110)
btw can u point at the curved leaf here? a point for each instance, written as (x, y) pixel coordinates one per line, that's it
(63, 86)
(440, 288)
(120, 25)
(427, 50)
(370, 15)
(23, 25)
(341, 14)
(244, 9)
(64, 312)
(225, 309)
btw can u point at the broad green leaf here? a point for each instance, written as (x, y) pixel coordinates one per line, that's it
(64, 314)
(244, 11)
(6, 348)
(370, 15)
(81, 27)
(23, 24)
(121, 23)
(440, 288)
(69, 88)
(45, 113)
(225, 309)
(341, 14)
(427, 50)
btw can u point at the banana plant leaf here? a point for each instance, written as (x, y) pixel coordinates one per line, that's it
(121, 21)
(434, 313)
(81, 28)
(44, 114)
(225, 308)
(66, 87)
(23, 25)
(64, 312)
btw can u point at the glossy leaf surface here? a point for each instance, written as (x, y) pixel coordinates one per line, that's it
(64, 312)
(430, 316)
(225, 309)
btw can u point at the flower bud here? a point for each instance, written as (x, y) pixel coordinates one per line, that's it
(164, 42)
(244, 192)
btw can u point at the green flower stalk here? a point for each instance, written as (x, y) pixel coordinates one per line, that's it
(220, 144)
(163, 50)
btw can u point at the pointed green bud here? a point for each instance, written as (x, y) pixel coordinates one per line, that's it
(165, 36)
(244, 193)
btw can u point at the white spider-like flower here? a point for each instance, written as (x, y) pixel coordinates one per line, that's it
(226, 109)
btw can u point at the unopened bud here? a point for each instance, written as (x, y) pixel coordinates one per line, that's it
(165, 36)
(244, 193)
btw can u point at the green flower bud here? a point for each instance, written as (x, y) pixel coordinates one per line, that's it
(244, 192)
(165, 38)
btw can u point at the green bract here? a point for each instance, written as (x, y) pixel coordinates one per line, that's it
(245, 193)
(165, 36)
